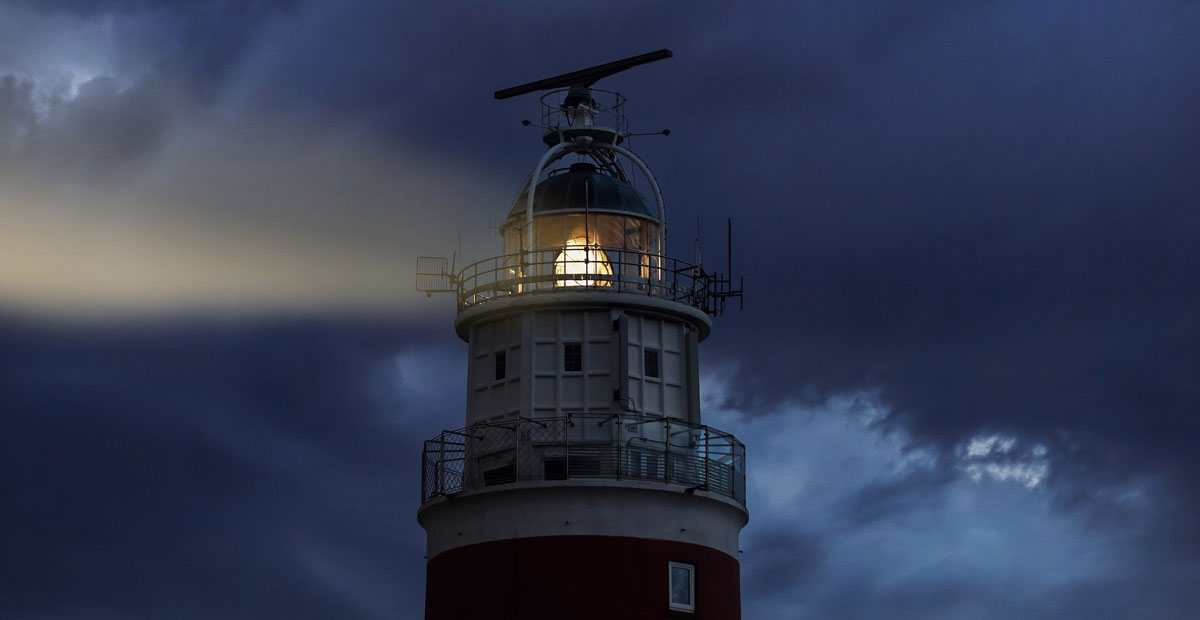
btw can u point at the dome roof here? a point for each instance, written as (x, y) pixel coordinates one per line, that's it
(567, 191)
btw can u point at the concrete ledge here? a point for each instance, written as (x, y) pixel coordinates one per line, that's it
(565, 298)
(636, 509)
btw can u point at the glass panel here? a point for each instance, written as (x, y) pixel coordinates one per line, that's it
(681, 586)
(549, 232)
(650, 237)
(575, 228)
(607, 230)
(512, 240)
(650, 364)
(572, 357)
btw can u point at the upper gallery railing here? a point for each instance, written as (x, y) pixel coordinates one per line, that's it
(592, 445)
(606, 111)
(599, 268)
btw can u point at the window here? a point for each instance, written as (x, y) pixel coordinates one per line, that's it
(572, 357)
(682, 590)
(650, 364)
(501, 365)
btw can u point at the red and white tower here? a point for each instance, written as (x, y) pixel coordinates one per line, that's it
(583, 484)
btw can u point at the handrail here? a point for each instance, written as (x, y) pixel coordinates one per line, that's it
(614, 269)
(639, 448)
(609, 111)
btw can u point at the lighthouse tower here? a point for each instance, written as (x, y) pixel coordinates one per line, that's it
(584, 483)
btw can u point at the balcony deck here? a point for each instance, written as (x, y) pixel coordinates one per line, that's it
(585, 446)
(618, 270)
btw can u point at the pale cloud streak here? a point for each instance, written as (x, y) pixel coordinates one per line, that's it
(244, 215)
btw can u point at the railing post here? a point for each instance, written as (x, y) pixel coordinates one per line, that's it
(707, 436)
(441, 466)
(667, 450)
(566, 425)
(620, 462)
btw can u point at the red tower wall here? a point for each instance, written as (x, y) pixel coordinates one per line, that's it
(578, 578)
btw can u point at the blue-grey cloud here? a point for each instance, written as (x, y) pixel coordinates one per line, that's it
(981, 212)
(227, 471)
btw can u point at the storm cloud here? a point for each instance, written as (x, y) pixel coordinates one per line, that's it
(965, 371)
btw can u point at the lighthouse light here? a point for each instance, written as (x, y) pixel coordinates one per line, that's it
(578, 258)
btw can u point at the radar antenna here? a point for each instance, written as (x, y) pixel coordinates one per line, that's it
(584, 78)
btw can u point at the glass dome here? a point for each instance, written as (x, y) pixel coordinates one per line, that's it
(582, 187)
(583, 206)
(589, 228)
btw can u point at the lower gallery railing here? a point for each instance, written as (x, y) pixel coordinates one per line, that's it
(605, 446)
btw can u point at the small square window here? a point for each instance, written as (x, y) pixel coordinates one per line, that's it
(572, 357)
(650, 364)
(501, 365)
(682, 590)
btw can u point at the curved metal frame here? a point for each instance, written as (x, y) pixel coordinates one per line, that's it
(562, 149)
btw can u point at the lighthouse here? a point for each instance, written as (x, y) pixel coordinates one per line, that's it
(583, 482)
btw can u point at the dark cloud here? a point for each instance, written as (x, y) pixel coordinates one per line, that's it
(983, 210)
(882, 500)
(202, 42)
(784, 562)
(103, 130)
(992, 228)
(199, 471)
(17, 113)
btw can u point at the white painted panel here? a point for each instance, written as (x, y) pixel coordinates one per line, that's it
(673, 401)
(650, 335)
(572, 392)
(672, 338)
(599, 392)
(595, 357)
(545, 325)
(599, 325)
(513, 329)
(482, 339)
(653, 397)
(513, 397)
(484, 371)
(545, 360)
(545, 394)
(672, 367)
(572, 326)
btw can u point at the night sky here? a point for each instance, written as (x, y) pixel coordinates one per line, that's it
(967, 372)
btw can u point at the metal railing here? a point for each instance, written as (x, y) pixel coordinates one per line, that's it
(577, 446)
(608, 112)
(601, 268)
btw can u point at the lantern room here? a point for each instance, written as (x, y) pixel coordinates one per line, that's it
(587, 222)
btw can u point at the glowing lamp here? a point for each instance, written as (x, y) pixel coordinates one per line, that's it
(578, 258)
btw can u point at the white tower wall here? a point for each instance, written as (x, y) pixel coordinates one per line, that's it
(551, 362)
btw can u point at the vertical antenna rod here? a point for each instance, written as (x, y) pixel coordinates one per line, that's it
(729, 249)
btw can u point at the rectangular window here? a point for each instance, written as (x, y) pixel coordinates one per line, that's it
(501, 365)
(650, 364)
(572, 357)
(682, 590)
